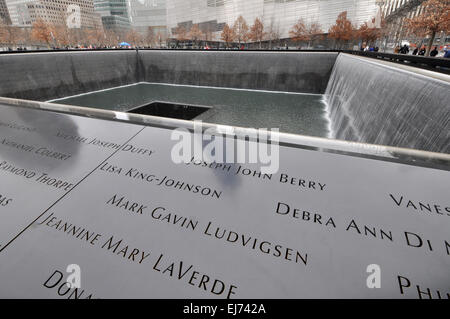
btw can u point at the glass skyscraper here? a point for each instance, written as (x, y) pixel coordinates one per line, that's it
(275, 14)
(149, 13)
(114, 14)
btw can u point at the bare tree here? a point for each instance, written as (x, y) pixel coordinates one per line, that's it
(195, 34)
(61, 35)
(42, 32)
(134, 37)
(111, 38)
(240, 29)
(208, 34)
(228, 35)
(305, 32)
(342, 30)
(273, 33)
(161, 37)
(314, 30)
(10, 35)
(150, 37)
(368, 33)
(257, 33)
(96, 37)
(180, 34)
(299, 31)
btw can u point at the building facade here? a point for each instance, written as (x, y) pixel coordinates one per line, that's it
(395, 13)
(276, 15)
(395, 7)
(4, 14)
(26, 12)
(149, 13)
(18, 11)
(114, 14)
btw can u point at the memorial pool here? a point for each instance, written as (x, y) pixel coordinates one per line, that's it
(296, 113)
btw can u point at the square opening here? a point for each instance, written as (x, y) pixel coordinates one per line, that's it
(171, 110)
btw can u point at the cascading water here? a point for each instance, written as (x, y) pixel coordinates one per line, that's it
(376, 103)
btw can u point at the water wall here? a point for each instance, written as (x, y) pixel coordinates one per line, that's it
(44, 76)
(375, 102)
(306, 72)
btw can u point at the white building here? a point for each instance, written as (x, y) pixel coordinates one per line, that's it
(25, 12)
(280, 14)
(18, 12)
(148, 13)
(4, 14)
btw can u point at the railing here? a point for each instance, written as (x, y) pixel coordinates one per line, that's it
(441, 65)
(435, 64)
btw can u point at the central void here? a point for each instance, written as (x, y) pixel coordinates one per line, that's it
(297, 113)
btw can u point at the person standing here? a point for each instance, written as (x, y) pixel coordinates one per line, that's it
(447, 52)
(434, 52)
(404, 49)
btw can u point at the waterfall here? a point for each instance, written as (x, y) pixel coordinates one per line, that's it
(379, 103)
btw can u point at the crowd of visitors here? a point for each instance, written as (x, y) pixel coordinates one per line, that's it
(405, 49)
(422, 50)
